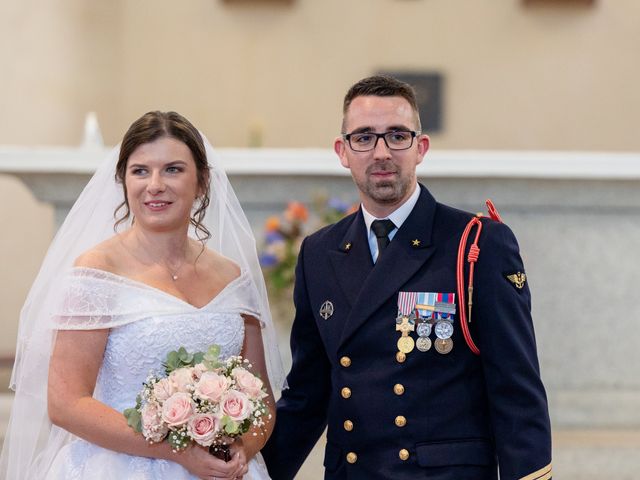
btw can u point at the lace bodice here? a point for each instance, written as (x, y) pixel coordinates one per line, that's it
(138, 348)
(146, 324)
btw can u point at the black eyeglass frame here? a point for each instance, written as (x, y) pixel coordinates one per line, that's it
(414, 134)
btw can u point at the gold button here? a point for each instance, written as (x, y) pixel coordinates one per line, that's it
(400, 421)
(353, 458)
(345, 392)
(398, 389)
(403, 454)
(400, 357)
(348, 425)
(345, 362)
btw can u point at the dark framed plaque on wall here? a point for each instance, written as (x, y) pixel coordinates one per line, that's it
(429, 92)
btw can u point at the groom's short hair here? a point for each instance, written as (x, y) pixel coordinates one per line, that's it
(381, 86)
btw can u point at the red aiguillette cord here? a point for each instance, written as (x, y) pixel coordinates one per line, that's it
(472, 258)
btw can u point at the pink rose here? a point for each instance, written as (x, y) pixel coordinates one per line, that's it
(152, 427)
(198, 370)
(248, 383)
(182, 378)
(177, 409)
(203, 428)
(211, 386)
(163, 389)
(235, 405)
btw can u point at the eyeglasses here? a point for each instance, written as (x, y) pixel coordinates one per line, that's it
(366, 141)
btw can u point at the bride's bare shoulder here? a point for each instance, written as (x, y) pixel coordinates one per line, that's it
(102, 256)
(223, 267)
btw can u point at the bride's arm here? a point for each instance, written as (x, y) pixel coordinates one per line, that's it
(73, 370)
(253, 350)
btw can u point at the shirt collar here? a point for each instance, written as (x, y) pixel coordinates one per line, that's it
(399, 215)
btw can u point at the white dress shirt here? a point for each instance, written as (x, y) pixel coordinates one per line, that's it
(398, 216)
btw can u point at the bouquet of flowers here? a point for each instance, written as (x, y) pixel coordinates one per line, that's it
(200, 399)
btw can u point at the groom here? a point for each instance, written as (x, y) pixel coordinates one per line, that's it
(378, 350)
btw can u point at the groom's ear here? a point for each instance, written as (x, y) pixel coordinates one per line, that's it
(340, 148)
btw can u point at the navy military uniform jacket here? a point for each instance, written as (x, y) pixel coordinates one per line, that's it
(463, 414)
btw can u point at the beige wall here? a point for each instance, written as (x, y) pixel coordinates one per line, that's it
(59, 59)
(26, 233)
(274, 73)
(517, 77)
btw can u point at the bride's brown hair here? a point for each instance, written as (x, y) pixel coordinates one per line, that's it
(152, 126)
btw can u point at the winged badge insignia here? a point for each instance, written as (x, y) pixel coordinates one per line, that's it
(518, 279)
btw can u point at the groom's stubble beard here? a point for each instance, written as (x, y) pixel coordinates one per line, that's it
(385, 192)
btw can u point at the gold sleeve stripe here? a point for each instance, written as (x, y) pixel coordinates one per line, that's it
(546, 476)
(542, 474)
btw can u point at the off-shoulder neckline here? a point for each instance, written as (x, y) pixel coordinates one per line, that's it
(125, 279)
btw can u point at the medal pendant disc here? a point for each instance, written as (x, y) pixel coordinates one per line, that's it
(405, 344)
(423, 344)
(444, 345)
(423, 329)
(443, 330)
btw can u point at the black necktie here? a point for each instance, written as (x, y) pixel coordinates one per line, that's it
(381, 229)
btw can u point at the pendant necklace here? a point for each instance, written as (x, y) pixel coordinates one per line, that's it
(174, 273)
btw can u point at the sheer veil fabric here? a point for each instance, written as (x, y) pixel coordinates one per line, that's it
(31, 440)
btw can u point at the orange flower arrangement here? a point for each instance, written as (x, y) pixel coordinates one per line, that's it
(283, 236)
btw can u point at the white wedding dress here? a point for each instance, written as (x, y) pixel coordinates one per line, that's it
(146, 323)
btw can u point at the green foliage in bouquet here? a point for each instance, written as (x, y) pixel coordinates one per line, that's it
(133, 416)
(181, 358)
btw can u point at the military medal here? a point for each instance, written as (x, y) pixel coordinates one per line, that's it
(443, 329)
(435, 313)
(423, 329)
(423, 343)
(405, 321)
(443, 345)
(406, 344)
(425, 312)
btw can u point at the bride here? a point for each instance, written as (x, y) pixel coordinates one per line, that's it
(105, 310)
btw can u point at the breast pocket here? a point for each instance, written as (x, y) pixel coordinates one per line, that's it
(471, 452)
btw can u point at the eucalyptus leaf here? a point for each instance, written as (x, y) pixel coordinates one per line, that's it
(214, 351)
(134, 419)
(210, 359)
(230, 427)
(198, 357)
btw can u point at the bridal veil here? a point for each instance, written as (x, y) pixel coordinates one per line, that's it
(31, 439)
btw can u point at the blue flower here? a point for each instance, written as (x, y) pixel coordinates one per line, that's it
(337, 204)
(268, 260)
(273, 237)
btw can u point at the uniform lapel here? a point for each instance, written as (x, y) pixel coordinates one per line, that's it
(410, 248)
(351, 261)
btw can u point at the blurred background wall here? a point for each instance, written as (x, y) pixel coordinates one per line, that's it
(536, 74)
(515, 75)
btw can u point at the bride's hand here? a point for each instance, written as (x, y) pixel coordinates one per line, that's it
(199, 462)
(238, 452)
